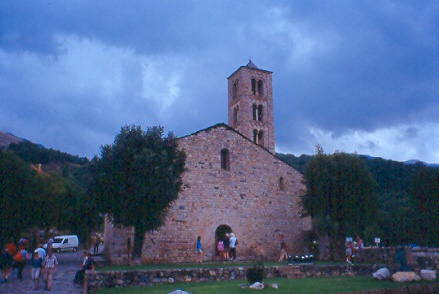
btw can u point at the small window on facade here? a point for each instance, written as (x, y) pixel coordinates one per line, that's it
(235, 116)
(235, 89)
(254, 86)
(260, 88)
(260, 112)
(255, 112)
(261, 138)
(225, 159)
(281, 183)
(255, 136)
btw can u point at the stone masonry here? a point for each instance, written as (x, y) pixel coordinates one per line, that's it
(232, 183)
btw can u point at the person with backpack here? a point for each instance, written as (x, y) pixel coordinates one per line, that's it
(20, 260)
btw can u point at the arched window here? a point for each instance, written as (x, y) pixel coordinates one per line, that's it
(258, 137)
(235, 116)
(260, 88)
(255, 112)
(235, 89)
(254, 86)
(261, 138)
(260, 112)
(225, 159)
(281, 184)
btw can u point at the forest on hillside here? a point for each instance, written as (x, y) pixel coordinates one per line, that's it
(408, 197)
(58, 196)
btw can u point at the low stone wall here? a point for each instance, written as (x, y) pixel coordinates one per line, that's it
(416, 260)
(95, 280)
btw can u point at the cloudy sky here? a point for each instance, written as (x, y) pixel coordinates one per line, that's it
(353, 76)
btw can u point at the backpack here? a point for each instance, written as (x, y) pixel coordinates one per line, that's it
(236, 242)
(18, 256)
(220, 246)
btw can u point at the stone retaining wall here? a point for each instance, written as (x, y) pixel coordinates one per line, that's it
(415, 259)
(95, 280)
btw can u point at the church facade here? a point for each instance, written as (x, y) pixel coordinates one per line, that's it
(233, 183)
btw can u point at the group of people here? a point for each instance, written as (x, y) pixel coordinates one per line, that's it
(44, 264)
(226, 247)
(352, 248)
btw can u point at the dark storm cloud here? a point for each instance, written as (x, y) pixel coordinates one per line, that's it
(356, 72)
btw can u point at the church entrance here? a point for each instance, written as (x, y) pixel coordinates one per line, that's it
(220, 235)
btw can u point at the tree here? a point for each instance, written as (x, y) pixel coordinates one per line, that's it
(425, 196)
(138, 177)
(16, 194)
(340, 194)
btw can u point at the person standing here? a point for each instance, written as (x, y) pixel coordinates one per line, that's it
(40, 250)
(96, 240)
(50, 264)
(20, 260)
(37, 263)
(199, 250)
(349, 252)
(6, 262)
(232, 246)
(283, 250)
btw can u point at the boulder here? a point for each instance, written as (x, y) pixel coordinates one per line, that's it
(382, 274)
(257, 285)
(403, 277)
(179, 292)
(428, 275)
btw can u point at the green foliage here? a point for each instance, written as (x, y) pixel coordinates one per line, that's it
(398, 217)
(299, 163)
(30, 201)
(256, 273)
(35, 154)
(137, 179)
(425, 197)
(16, 195)
(341, 194)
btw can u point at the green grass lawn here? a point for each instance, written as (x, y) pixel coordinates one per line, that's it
(296, 286)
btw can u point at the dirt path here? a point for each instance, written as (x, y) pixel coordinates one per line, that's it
(62, 280)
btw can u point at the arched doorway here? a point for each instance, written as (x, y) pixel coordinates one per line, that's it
(220, 234)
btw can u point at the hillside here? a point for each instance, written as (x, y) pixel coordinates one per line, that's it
(6, 139)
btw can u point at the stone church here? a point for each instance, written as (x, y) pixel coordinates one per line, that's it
(233, 183)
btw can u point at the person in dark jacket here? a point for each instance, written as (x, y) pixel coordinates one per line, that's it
(87, 264)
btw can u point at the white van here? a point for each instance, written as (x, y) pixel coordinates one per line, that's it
(65, 243)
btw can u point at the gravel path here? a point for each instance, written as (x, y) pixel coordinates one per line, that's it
(62, 280)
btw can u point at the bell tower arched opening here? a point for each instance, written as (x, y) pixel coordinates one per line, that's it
(254, 97)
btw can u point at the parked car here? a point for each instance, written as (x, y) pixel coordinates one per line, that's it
(65, 243)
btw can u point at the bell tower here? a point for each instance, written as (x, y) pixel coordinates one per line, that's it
(250, 104)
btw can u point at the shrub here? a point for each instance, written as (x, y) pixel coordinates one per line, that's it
(255, 273)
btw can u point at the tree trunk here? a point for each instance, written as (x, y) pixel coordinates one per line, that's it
(139, 237)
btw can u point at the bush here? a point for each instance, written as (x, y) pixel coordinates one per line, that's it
(255, 273)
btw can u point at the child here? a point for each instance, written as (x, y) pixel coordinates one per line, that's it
(199, 250)
(37, 262)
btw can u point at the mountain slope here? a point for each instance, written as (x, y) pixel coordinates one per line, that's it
(6, 139)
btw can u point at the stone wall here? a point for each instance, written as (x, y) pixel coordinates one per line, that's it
(257, 198)
(95, 280)
(415, 259)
